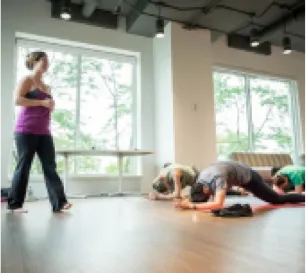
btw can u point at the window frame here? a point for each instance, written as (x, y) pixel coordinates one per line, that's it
(294, 106)
(101, 53)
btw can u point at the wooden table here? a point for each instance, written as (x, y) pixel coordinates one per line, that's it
(120, 154)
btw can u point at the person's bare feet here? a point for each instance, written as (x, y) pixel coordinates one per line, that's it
(20, 210)
(67, 206)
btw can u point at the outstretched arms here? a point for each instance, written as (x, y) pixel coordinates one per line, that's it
(216, 204)
(218, 189)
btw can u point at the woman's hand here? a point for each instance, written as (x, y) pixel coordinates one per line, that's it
(153, 196)
(52, 108)
(48, 103)
(184, 204)
(177, 198)
(243, 192)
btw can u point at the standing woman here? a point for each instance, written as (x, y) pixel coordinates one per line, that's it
(32, 135)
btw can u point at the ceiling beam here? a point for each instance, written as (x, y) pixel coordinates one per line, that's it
(135, 13)
(268, 31)
(89, 7)
(207, 9)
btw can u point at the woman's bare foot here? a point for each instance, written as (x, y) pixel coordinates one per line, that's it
(20, 210)
(67, 206)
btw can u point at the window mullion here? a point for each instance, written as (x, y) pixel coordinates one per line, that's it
(78, 103)
(135, 113)
(295, 122)
(249, 112)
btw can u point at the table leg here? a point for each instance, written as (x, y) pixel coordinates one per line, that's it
(65, 182)
(120, 173)
(120, 177)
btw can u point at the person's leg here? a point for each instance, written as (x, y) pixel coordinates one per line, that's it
(26, 145)
(263, 192)
(46, 153)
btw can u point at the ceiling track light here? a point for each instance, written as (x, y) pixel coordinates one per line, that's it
(287, 45)
(65, 10)
(254, 40)
(160, 26)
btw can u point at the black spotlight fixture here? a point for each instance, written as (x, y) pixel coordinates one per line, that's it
(287, 45)
(254, 40)
(160, 26)
(117, 10)
(65, 12)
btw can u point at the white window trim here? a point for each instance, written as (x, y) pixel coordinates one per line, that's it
(77, 51)
(74, 46)
(77, 177)
(243, 71)
(294, 106)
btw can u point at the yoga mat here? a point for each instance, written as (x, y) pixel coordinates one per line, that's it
(3, 199)
(269, 206)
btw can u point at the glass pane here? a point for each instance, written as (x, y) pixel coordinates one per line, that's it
(271, 115)
(231, 115)
(106, 112)
(62, 77)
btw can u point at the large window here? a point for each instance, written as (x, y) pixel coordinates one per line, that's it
(255, 114)
(95, 96)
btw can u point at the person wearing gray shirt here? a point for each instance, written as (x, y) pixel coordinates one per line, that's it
(215, 180)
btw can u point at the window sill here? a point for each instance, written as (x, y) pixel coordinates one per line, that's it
(77, 177)
(104, 176)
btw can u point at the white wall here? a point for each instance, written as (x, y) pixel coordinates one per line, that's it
(277, 64)
(195, 136)
(34, 17)
(184, 99)
(164, 115)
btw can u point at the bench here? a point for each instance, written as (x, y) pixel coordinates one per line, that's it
(263, 163)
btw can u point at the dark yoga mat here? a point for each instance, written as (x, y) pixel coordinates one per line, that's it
(270, 206)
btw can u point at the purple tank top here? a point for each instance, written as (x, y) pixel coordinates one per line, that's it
(34, 120)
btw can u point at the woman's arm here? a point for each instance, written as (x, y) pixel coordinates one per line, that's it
(177, 187)
(278, 189)
(299, 188)
(162, 196)
(22, 89)
(177, 174)
(216, 204)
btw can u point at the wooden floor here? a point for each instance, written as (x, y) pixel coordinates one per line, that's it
(123, 235)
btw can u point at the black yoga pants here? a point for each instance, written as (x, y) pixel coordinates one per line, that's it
(258, 187)
(27, 146)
